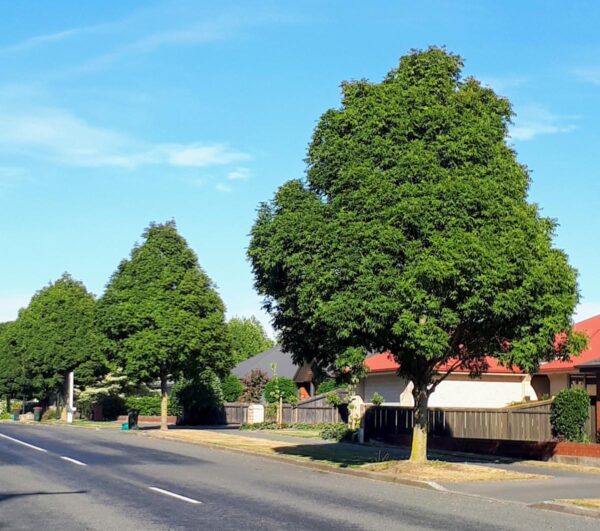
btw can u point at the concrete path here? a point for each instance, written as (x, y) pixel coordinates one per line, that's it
(70, 478)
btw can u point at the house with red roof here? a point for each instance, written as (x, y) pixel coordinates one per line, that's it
(497, 387)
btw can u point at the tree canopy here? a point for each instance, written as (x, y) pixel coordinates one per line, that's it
(56, 334)
(13, 378)
(163, 314)
(412, 234)
(248, 338)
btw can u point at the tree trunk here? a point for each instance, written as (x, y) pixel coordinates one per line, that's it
(163, 403)
(418, 452)
(8, 404)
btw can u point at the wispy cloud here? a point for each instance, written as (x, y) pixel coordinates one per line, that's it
(591, 74)
(533, 121)
(59, 136)
(49, 38)
(238, 174)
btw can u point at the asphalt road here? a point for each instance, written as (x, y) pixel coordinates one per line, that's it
(70, 478)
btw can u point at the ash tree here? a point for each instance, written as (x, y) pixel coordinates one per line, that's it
(412, 234)
(163, 315)
(55, 335)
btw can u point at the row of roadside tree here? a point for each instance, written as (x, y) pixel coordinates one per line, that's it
(160, 319)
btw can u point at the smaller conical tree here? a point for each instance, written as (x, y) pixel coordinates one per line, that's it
(163, 314)
(56, 334)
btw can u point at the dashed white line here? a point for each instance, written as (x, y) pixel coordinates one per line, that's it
(71, 460)
(173, 495)
(23, 443)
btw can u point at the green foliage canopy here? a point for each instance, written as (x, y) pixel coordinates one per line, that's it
(413, 234)
(232, 388)
(162, 313)
(280, 386)
(56, 334)
(248, 338)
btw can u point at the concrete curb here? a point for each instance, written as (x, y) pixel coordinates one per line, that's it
(421, 484)
(567, 509)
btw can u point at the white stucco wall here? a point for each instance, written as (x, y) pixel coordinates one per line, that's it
(458, 390)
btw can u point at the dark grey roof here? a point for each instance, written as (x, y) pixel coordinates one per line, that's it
(263, 361)
(590, 365)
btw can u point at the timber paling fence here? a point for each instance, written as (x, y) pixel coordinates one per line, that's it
(530, 422)
(314, 410)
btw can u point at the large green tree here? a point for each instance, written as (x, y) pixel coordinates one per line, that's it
(248, 337)
(13, 377)
(163, 314)
(56, 335)
(412, 234)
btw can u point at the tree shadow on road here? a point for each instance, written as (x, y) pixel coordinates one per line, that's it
(4, 496)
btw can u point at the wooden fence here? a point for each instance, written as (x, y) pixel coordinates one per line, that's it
(314, 410)
(517, 423)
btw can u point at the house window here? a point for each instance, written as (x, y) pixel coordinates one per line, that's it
(583, 380)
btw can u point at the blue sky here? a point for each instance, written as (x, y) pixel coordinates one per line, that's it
(116, 114)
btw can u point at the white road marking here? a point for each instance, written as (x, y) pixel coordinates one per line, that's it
(172, 494)
(72, 460)
(23, 443)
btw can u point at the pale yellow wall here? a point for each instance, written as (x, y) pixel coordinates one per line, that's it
(458, 390)
(558, 381)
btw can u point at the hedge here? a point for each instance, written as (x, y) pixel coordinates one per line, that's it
(568, 414)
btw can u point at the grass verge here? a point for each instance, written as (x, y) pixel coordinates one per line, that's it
(342, 455)
(589, 503)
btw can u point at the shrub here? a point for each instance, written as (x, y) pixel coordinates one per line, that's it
(267, 425)
(254, 385)
(148, 405)
(337, 432)
(50, 414)
(113, 406)
(196, 399)
(569, 411)
(377, 399)
(232, 388)
(5, 415)
(334, 399)
(326, 386)
(280, 386)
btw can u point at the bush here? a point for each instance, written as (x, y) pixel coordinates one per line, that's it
(232, 388)
(326, 386)
(50, 414)
(334, 399)
(280, 386)
(148, 405)
(113, 406)
(197, 399)
(254, 385)
(377, 399)
(5, 415)
(569, 411)
(337, 432)
(267, 425)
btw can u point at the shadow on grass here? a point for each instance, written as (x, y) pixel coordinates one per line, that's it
(342, 454)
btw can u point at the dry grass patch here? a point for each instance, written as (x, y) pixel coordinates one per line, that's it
(444, 472)
(348, 456)
(589, 503)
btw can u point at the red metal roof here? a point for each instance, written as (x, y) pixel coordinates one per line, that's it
(385, 363)
(591, 327)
